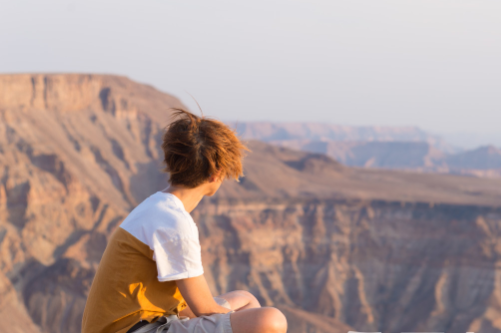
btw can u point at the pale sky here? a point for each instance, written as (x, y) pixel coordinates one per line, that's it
(430, 63)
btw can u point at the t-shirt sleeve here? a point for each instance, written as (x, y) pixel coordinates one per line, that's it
(177, 257)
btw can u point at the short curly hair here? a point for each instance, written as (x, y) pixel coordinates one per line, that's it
(197, 147)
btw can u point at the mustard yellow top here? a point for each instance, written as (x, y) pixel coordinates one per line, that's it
(126, 289)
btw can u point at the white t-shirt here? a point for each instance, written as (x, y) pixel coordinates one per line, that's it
(162, 223)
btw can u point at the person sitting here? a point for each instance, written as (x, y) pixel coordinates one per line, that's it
(150, 278)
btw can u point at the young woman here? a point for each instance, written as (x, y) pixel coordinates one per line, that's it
(150, 278)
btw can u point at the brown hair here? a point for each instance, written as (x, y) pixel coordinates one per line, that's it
(197, 147)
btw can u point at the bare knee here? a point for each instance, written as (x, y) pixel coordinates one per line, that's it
(258, 320)
(273, 320)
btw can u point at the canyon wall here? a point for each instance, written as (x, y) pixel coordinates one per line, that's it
(76, 154)
(374, 265)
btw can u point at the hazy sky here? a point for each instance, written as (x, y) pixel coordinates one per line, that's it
(430, 63)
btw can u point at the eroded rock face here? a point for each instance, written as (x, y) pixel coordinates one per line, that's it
(76, 154)
(335, 248)
(376, 266)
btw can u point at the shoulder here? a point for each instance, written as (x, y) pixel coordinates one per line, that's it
(161, 217)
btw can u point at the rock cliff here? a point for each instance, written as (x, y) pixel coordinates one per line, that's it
(76, 153)
(335, 248)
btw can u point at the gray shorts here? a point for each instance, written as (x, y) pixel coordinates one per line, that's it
(216, 323)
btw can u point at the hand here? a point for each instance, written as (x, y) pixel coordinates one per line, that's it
(199, 298)
(238, 300)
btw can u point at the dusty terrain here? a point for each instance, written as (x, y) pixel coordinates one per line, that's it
(336, 248)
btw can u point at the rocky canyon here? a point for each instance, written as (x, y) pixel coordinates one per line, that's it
(336, 248)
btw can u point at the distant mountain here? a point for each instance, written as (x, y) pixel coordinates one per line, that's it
(376, 154)
(484, 162)
(292, 131)
(483, 158)
(406, 148)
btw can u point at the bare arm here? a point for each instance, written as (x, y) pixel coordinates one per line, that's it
(197, 294)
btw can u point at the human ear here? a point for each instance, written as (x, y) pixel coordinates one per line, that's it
(215, 177)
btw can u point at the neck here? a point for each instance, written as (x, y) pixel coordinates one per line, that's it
(190, 197)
